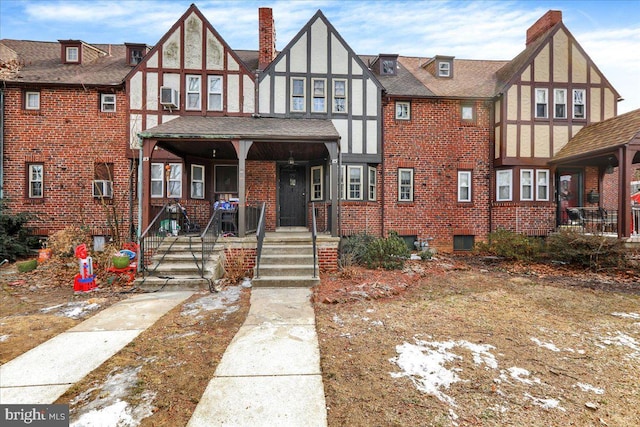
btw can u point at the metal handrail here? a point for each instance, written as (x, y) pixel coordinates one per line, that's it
(152, 237)
(209, 238)
(314, 236)
(260, 232)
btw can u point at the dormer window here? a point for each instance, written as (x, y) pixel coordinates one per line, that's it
(388, 65)
(135, 53)
(71, 51)
(72, 54)
(444, 69)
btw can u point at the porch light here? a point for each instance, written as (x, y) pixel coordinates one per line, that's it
(213, 153)
(609, 169)
(291, 161)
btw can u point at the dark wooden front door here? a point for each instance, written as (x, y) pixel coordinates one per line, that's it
(293, 191)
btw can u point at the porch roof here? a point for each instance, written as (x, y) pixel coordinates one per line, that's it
(251, 128)
(602, 137)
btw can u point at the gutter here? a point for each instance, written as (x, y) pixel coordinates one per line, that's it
(1, 143)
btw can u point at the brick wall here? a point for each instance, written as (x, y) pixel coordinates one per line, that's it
(261, 187)
(68, 135)
(436, 144)
(534, 219)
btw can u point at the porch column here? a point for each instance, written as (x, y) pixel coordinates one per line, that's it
(625, 157)
(145, 190)
(242, 148)
(334, 155)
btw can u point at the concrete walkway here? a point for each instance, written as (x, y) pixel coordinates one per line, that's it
(44, 373)
(270, 373)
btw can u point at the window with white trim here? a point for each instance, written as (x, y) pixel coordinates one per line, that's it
(174, 182)
(319, 104)
(343, 173)
(579, 98)
(214, 100)
(32, 100)
(297, 94)
(72, 54)
(464, 186)
(405, 184)
(193, 92)
(197, 181)
(542, 184)
(542, 103)
(339, 96)
(526, 184)
(317, 180)
(157, 180)
(560, 103)
(355, 182)
(504, 180)
(108, 102)
(403, 110)
(444, 69)
(373, 183)
(36, 180)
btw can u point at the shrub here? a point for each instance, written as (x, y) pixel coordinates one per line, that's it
(389, 253)
(512, 246)
(234, 268)
(594, 251)
(15, 240)
(353, 249)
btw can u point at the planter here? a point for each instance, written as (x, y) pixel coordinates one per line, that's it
(44, 255)
(120, 261)
(26, 266)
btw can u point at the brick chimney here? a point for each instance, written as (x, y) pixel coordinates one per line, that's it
(547, 21)
(267, 36)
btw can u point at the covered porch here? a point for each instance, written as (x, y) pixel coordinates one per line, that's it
(594, 172)
(236, 163)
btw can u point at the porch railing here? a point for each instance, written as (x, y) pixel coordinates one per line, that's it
(252, 217)
(635, 220)
(209, 238)
(314, 237)
(260, 232)
(590, 219)
(152, 237)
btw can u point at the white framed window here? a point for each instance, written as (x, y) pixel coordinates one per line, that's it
(193, 92)
(108, 102)
(32, 100)
(319, 104)
(373, 183)
(560, 103)
(355, 182)
(542, 103)
(464, 186)
(403, 110)
(174, 182)
(72, 54)
(343, 173)
(579, 99)
(444, 69)
(297, 94)
(339, 96)
(317, 179)
(157, 180)
(467, 113)
(542, 184)
(36, 180)
(504, 180)
(388, 67)
(197, 181)
(526, 184)
(214, 100)
(405, 184)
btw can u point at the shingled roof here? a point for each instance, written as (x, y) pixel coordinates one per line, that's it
(38, 62)
(602, 136)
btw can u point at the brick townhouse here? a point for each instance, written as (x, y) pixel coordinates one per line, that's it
(436, 148)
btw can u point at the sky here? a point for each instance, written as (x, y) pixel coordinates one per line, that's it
(609, 31)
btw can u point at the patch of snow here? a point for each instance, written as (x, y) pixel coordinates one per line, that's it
(546, 403)
(377, 323)
(3, 338)
(547, 345)
(424, 364)
(415, 257)
(74, 310)
(626, 315)
(184, 335)
(338, 320)
(370, 310)
(624, 340)
(223, 300)
(589, 387)
(519, 374)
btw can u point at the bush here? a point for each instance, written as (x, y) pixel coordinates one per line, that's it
(15, 240)
(594, 251)
(389, 253)
(512, 246)
(353, 249)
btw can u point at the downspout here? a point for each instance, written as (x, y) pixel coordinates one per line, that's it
(1, 143)
(139, 233)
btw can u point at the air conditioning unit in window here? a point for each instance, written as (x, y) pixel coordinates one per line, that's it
(103, 188)
(168, 97)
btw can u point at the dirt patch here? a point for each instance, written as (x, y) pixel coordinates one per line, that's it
(456, 343)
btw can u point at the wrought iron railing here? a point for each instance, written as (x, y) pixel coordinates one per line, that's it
(590, 219)
(153, 235)
(635, 220)
(260, 232)
(252, 217)
(314, 237)
(209, 238)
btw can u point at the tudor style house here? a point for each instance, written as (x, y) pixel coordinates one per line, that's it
(438, 149)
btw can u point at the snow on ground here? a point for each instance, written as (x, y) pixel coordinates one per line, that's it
(621, 339)
(589, 387)
(74, 310)
(627, 315)
(547, 345)
(545, 403)
(225, 300)
(3, 338)
(109, 409)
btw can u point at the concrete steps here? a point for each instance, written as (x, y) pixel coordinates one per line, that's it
(174, 266)
(287, 260)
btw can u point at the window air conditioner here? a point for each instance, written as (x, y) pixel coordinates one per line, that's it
(103, 188)
(168, 97)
